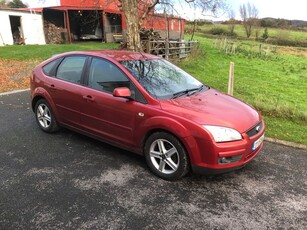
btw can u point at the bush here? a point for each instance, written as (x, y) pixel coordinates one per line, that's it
(231, 34)
(217, 31)
(265, 34)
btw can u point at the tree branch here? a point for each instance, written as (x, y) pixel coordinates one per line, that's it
(149, 8)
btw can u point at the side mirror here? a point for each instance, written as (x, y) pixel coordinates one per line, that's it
(122, 92)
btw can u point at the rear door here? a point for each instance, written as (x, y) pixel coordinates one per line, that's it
(65, 88)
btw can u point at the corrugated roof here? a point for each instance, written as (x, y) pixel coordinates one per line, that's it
(26, 10)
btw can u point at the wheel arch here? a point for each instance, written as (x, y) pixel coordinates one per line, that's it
(156, 130)
(35, 100)
(182, 161)
(187, 137)
(41, 93)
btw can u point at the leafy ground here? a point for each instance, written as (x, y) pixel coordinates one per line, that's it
(14, 74)
(275, 84)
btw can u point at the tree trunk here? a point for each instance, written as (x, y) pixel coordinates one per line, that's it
(130, 9)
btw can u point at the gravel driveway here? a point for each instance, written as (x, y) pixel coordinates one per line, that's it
(69, 181)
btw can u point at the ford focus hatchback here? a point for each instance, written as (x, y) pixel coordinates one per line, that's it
(144, 104)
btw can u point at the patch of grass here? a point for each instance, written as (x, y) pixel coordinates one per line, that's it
(43, 52)
(284, 129)
(275, 85)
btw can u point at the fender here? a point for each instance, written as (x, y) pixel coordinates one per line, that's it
(168, 124)
(178, 128)
(159, 123)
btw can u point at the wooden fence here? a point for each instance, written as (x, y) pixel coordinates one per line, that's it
(169, 49)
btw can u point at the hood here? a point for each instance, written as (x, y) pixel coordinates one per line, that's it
(212, 107)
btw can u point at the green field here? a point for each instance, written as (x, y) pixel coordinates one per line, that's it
(273, 32)
(275, 84)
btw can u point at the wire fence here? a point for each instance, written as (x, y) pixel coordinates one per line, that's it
(251, 49)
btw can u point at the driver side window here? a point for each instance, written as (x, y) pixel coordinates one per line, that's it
(105, 76)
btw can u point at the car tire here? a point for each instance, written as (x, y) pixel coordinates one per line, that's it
(45, 117)
(166, 157)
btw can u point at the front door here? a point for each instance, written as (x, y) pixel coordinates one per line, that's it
(102, 114)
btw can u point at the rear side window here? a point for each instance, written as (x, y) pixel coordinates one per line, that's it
(50, 67)
(71, 69)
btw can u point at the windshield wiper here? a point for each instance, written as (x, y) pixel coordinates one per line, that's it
(188, 92)
(200, 88)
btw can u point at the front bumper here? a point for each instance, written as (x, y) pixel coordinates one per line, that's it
(211, 171)
(220, 169)
(211, 154)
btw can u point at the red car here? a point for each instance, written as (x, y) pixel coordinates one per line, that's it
(149, 106)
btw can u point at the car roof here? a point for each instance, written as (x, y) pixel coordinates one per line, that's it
(118, 55)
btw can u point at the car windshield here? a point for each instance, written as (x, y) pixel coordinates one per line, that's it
(162, 79)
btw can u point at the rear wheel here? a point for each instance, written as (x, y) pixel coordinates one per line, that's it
(166, 156)
(44, 116)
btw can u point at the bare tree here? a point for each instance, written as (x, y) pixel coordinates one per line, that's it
(231, 21)
(257, 27)
(249, 15)
(136, 11)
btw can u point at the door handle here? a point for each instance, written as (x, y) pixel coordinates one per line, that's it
(52, 86)
(88, 98)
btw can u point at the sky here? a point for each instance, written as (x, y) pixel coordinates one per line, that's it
(294, 9)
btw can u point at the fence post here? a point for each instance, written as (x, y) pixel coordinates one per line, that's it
(148, 47)
(167, 49)
(231, 78)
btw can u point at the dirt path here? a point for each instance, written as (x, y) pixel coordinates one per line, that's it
(69, 181)
(14, 74)
(299, 51)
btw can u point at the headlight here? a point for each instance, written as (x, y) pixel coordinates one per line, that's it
(223, 134)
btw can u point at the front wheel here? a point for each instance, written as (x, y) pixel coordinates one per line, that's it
(166, 157)
(44, 116)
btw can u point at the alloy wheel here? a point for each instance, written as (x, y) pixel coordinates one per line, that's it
(43, 116)
(164, 156)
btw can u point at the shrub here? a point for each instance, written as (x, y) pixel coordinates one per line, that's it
(217, 31)
(231, 34)
(265, 34)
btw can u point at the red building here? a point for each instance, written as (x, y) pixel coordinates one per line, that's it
(103, 20)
